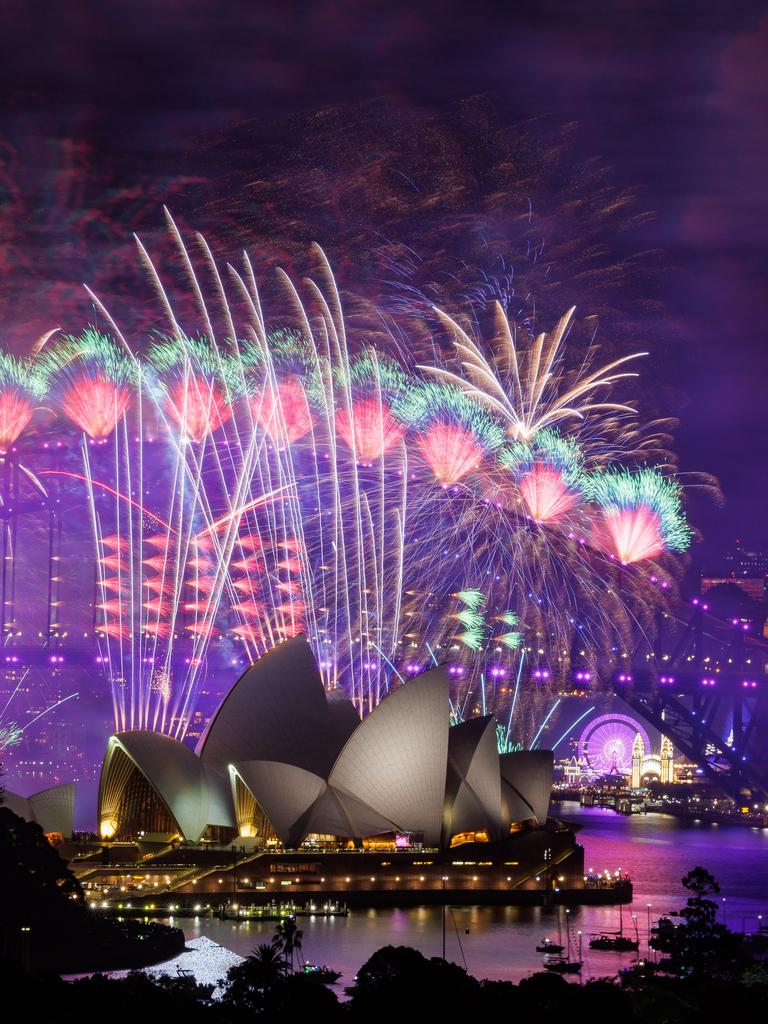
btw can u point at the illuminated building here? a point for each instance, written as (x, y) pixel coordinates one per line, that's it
(638, 754)
(284, 760)
(52, 809)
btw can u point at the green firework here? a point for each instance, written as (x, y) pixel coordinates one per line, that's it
(620, 490)
(549, 447)
(427, 403)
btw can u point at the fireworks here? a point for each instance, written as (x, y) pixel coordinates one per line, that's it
(193, 374)
(255, 489)
(528, 389)
(454, 433)
(548, 470)
(278, 377)
(21, 387)
(479, 630)
(641, 512)
(11, 732)
(371, 386)
(95, 380)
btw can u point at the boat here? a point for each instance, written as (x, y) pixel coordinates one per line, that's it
(324, 974)
(613, 941)
(548, 946)
(561, 963)
(616, 942)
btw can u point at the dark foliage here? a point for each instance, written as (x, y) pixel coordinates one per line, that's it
(45, 923)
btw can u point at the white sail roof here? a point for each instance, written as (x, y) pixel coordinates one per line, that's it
(395, 761)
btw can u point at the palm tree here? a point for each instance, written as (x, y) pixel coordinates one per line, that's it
(258, 973)
(288, 938)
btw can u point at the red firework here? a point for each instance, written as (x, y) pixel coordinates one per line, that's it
(546, 493)
(203, 628)
(252, 608)
(294, 608)
(114, 629)
(369, 429)
(198, 406)
(290, 630)
(249, 564)
(114, 543)
(159, 540)
(15, 413)
(203, 542)
(199, 564)
(250, 542)
(283, 411)
(155, 562)
(159, 585)
(289, 564)
(635, 533)
(204, 584)
(450, 450)
(113, 584)
(114, 562)
(251, 634)
(95, 403)
(159, 629)
(291, 587)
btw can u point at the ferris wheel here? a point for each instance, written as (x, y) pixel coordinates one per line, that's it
(605, 744)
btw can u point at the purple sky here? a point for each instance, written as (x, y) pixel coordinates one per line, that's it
(672, 96)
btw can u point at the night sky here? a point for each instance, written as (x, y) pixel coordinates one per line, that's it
(110, 108)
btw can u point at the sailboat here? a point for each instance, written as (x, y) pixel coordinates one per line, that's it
(547, 945)
(616, 942)
(561, 963)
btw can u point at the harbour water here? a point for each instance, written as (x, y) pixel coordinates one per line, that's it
(498, 942)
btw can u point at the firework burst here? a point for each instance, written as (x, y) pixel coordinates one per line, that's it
(453, 431)
(22, 385)
(548, 471)
(95, 380)
(279, 375)
(529, 387)
(641, 511)
(194, 376)
(370, 388)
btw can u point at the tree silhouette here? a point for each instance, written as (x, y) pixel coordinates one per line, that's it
(249, 981)
(701, 945)
(288, 938)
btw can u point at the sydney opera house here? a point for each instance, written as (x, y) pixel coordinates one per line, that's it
(289, 792)
(284, 764)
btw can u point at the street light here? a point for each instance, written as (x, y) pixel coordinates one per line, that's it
(443, 880)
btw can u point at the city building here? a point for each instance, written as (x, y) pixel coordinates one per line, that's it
(647, 766)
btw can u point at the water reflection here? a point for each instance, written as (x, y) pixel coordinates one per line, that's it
(499, 942)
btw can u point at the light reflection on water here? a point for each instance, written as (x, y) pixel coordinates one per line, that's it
(657, 850)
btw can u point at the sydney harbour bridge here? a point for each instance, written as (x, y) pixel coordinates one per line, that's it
(707, 693)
